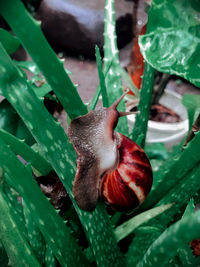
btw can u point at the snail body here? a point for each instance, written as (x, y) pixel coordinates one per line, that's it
(103, 152)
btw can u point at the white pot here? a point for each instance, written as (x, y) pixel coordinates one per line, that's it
(167, 133)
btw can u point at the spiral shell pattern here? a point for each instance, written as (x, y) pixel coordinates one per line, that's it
(128, 185)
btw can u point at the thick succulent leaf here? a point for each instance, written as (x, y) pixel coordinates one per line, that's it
(185, 253)
(174, 170)
(50, 260)
(61, 156)
(189, 209)
(180, 194)
(8, 117)
(192, 104)
(144, 237)
(126, 78)
(111, 54)
(28, 65)
(101, 78)
(157, 151)
(20, 148)
(97, 93)
(23, 133)
(55, 232)
(10, 43)
(11, 122)
(12, 198)
(14, 241)
(165, 247)
(3, 256)
(22, 24)
(140, 127)
(43, 90)
(34, 235)
(129, 226)
(172, 43)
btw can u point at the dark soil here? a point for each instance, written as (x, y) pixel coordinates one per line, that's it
(161, 113)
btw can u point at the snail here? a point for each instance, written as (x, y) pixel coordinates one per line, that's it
(126, 171)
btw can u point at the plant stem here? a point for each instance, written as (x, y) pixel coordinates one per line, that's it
(29, 32)
(161, 88)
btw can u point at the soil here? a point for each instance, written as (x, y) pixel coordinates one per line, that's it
(160, 113)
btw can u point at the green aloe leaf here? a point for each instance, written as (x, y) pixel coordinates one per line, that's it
(11, 122)
(172, 44)
(14, 241)
(165, 247)
(192, 104)
(10, 43)
(12, 198)
(55, 232)
(176, 168)
(157, 151)
(61, 156)
(139, 130)
(127, 79)
(21, 148)
(180, 194)
(97, 93)
(101, 78)
(185, 253)
(52, 68)
(129, 226)
(50, 260)
(28, 65)
(34, 235)
(144, 237)
(111, 54)
(3, 256)
(8, 117)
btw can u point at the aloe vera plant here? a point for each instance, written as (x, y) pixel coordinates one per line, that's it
(32, 233)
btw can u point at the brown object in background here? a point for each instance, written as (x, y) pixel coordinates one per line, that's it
(195, 246)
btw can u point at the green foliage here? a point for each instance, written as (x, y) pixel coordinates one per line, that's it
(27, 153)
(192, 104)
(129, 226)
(101, 79)
(11, 122)
(14, 241)
(111, 54)
(10, 42)
(172, 43)
(140, 128)
(34, 42)
(166, 245)
(32, 233)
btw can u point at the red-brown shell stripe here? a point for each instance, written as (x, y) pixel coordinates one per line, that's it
(134, 164)
(130, 183)
(116, 193)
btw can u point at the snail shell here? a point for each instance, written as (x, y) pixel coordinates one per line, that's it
(127, 186)
(100, 151)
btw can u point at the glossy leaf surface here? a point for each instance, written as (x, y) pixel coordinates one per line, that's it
(172, 44)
